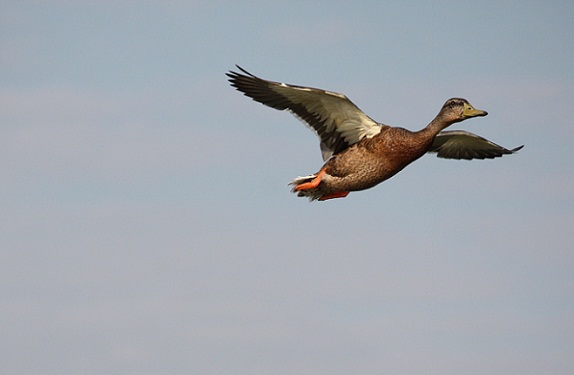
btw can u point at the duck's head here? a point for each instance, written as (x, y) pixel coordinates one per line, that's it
(458, 109)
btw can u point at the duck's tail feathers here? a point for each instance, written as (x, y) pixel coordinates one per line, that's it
(312, 194)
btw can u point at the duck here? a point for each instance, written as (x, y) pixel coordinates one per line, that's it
(358, 152)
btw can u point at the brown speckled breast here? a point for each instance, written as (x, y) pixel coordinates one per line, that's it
(374, 160)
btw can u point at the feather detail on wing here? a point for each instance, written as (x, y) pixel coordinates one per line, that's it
(337, 121)
(459, 144)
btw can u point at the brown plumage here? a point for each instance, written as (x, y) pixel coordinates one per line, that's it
(359, 152)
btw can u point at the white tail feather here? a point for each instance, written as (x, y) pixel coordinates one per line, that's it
(312, 194)
(301, 179)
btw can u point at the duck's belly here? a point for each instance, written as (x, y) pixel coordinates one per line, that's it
(361, 174)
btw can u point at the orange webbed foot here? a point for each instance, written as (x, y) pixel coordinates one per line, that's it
(313, 183)
(337, 194)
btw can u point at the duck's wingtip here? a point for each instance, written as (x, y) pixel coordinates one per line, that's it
(516, 149)
(240, 68)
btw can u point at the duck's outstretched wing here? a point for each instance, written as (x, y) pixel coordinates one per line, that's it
(337, 121)
(459, 144)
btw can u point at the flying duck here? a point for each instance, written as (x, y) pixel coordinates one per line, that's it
(359, 152)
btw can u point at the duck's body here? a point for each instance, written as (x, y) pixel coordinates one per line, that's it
(365, 164)
(359, 152)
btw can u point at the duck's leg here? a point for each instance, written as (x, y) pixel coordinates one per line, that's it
(313, 183)
(337, 194)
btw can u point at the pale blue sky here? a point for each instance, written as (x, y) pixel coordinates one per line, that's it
(146, 225)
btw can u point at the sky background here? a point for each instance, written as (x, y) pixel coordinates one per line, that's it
(146, 225)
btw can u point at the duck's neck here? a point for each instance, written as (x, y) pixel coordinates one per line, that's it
(436, 126)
